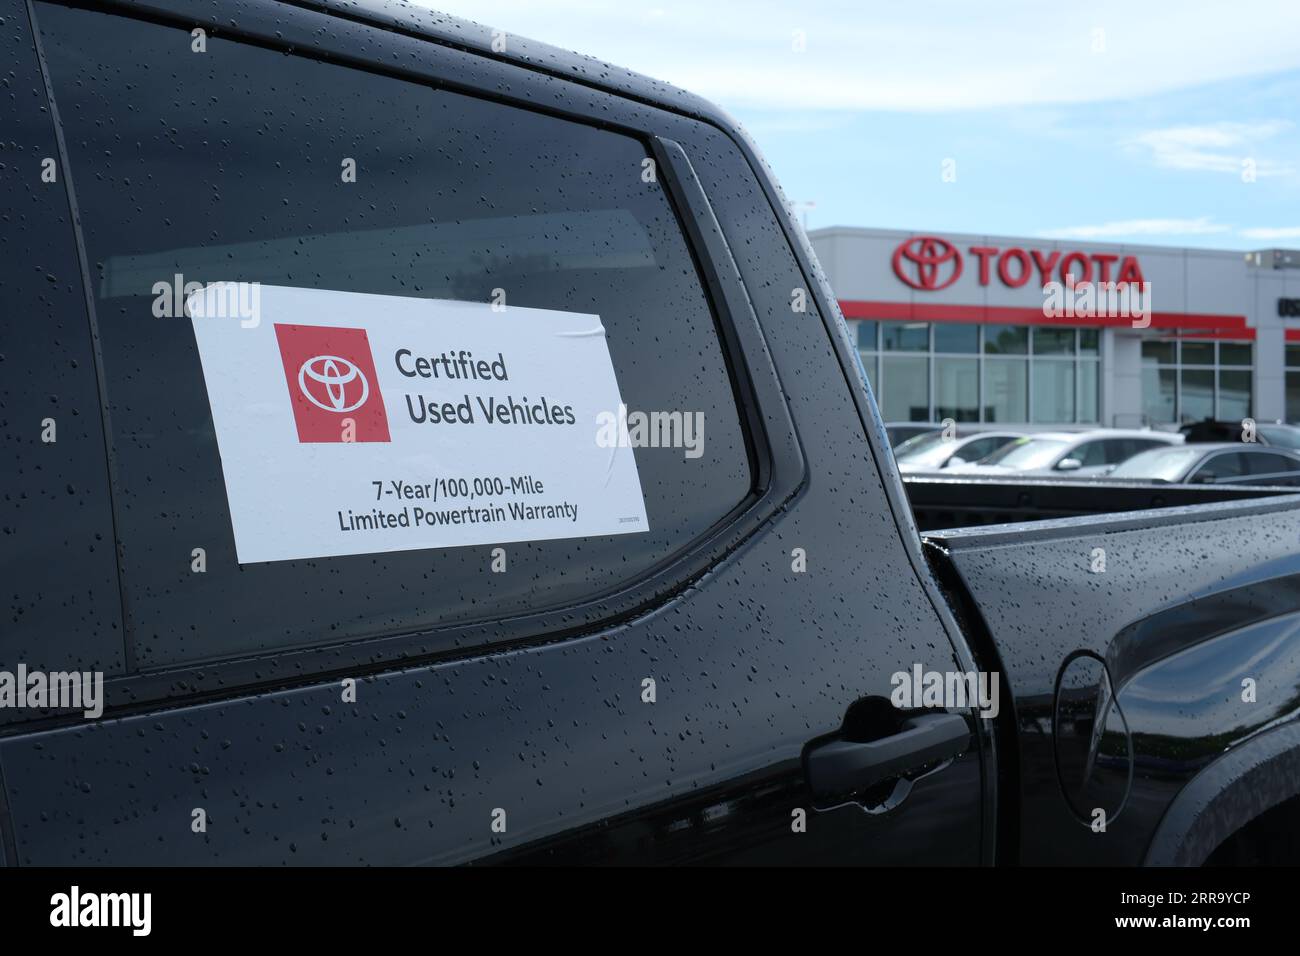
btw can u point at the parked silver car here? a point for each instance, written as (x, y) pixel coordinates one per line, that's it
(1079, 454)
(1229, 463)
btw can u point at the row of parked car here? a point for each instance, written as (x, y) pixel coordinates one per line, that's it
(1201, 453)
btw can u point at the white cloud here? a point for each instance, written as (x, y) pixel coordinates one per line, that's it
(1216, 147)
(1269, 234)
(1201, 226)
(948, 54)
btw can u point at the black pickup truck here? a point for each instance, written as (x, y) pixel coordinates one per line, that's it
(766, 662)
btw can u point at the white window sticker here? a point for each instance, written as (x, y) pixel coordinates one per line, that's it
(352, 423)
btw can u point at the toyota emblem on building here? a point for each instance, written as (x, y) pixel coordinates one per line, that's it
(927, 263)
(333, 383)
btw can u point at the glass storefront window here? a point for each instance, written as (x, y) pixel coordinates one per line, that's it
(1292, 396)
(1196, 380)
(1197, 353)
(966, 372)
(1236, 353)
(867, 336)
(905, 336)
(905, 388)
(956, 337)
(1158, 353)
(957, 389)
(1006, 340)
(1293, 356)
(1160, 393)
(1006, 390)
(1053, 399)
(1197, 394)
(1089, 390)
(1054, 342)
(1234, 394)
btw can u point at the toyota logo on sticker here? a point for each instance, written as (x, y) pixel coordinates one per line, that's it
(927, 263)
(334, 379)
(330, 371)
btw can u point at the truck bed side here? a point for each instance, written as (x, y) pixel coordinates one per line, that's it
(1139, 649)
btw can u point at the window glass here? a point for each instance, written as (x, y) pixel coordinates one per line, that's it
(1165, 463)
(1197, 397)
(1053, 391)
(1264, 463)
(1284, 436)
(1053, 341)
(1293, 397)
(1118, 449)
(926, 443)
(956, 389)
(1158, 353)
(1089, 341)
(905, 336)
(1025, 453)
(1293, 356)
(867, 335)
(1159, 393)
(1122, 449)
(1234, 394)
(1222, 466)
(1092, 453)
(1197, 353)
(227, 167)
(1006, 340)
(980, 448)
(1089, 409)
(956, 337)
(61, 608)
(1006, 390)
(1235, 353)
(905, 388)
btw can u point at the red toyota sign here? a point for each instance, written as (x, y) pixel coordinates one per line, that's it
(929, 263)
(331, 377)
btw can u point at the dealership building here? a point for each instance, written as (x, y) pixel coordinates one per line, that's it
(969, 327)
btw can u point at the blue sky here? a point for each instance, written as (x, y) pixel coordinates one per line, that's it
(1164, 123)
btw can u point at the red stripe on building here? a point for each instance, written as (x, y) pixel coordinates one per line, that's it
(1217, 326)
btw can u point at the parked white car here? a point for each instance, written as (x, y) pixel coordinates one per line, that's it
(933, 451)
(1078, 454)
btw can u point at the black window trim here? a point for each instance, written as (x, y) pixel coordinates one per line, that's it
(777, 462)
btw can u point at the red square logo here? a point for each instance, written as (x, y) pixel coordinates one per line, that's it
(332, 384)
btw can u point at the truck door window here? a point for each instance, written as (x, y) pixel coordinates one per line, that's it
(251, 165)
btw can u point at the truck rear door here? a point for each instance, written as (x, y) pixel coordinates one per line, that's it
(640, 696)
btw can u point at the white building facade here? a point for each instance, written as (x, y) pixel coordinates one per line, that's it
(962, 326)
